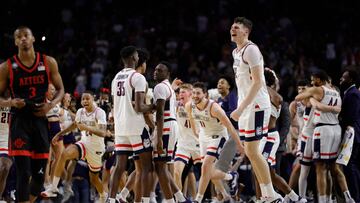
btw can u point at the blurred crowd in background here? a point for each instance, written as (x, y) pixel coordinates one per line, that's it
(85, 36)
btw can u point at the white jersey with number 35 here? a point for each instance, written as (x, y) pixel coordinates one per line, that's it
(124, 85)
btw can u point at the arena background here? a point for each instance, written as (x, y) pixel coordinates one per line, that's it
(85, 36)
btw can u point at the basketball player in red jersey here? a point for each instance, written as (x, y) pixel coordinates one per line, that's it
(28, 74)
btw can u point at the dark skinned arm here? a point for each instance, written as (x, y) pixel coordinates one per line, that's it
(56, 80)
(160, 106)
(140, 105)
(4, 78)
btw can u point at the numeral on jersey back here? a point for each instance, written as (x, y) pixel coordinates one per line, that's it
(187, 124)
(5, 117)
(121, 88)
(331, 102)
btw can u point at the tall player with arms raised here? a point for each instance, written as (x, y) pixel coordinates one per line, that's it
(253, 111)
(28, 74)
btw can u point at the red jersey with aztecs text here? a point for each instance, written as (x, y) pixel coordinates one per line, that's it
(29, 83)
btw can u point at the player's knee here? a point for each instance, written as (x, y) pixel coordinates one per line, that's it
(160, 168)
(65, 155)
(177, 172)
(5, 167)
(94, 176)
(148, 169)
(251, 152)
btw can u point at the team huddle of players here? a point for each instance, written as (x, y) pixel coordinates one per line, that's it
(162, 131)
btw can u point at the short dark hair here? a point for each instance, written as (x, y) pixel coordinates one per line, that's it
(167, 64)
(302, 83)
(353, 75)
(200, 85)
(22, 27)
(246, 22)
(143, 56)
(270, 77)
(322, 75)
(229, 79)
(127, 52)
(88, 92)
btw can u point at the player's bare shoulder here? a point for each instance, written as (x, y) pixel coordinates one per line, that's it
(52, 64)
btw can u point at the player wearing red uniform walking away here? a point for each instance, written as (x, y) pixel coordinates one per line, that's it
(28, 74)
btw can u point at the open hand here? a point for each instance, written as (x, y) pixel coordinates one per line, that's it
(235, 115)
(17, 103)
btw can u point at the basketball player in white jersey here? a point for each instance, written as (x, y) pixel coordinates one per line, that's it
(165, 132)
(131, 135)
(91, 121)
(5, 160)
(187, 144)
(269, 144)
(214, 129)
(56, 149)
(253, 111)
(327, 133)
(297, 121)
(67, 117)
(133, 182)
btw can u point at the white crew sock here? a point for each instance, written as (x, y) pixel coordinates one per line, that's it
(179, 196)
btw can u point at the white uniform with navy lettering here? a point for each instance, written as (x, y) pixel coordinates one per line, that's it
(327, 133)
(269, 144)
(92, 147)
(187, 144)
(300, 109)
(131, 136)
(164, 91)
(4, 130)
(54, 112)
(306, 144)
(254, 120)
(212, 134)
(66, 119)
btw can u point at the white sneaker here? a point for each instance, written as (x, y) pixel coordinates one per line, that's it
(302, 200)
(68, 193)
(287, 199)
(50, 192)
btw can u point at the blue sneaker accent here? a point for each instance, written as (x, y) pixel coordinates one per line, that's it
(233, 183)
(186, 201)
